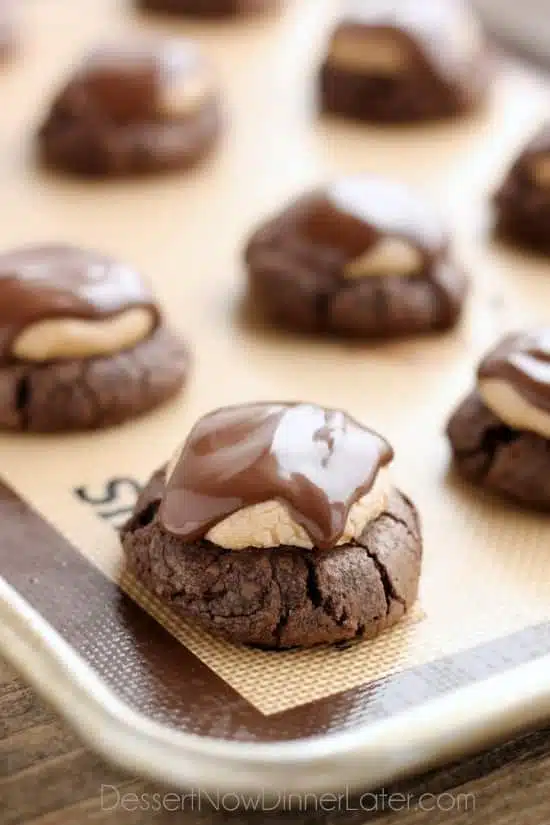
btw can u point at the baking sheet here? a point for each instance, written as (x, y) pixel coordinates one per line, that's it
(484, 605)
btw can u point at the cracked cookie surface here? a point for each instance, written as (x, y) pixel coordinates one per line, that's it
(87, 394)
(510, 462)
(298, 285)
(285, 596)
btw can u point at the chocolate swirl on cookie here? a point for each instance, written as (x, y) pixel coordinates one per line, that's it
(317, 462)
(438, 39)
(355, 215)
(375, 227)
(522, 362)
(48, 283)
(139, 82)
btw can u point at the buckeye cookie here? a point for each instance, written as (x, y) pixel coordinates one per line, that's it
(500, 434)
(277, 525)
(209, 8)
(83, 345)
(133, 109)
(364, 257)
(523, 201)
(405, 61)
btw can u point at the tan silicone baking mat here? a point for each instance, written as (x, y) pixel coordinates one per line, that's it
(487, 567)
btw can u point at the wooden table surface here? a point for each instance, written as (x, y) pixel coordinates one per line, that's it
(47, 777)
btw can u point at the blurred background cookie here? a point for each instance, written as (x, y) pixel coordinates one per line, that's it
(277, 525)
(523, 201)
(398, 62)
(500, 434)
(134, 108)
(209, 8)
(363, 257)
(83, 344)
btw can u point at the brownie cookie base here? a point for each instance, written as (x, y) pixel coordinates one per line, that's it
(91, 147)
(523, 215)
(299, 287)
(89, 394)
(510, 462)
(286, 596)
(208, 8)
(407, 98)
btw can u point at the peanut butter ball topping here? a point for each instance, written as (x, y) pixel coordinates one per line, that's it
(64, 302)
(315, 463)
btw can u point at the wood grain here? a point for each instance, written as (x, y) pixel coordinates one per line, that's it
(48, 778)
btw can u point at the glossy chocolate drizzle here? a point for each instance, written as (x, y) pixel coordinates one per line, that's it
(47, 282)
(523, 362)
(317, 462)
(354, 214)
(428, 31)
(126, 83)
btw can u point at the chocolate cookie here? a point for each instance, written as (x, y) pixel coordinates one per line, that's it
(401, 62)
(208, 8)
(500, 434)
(523, 201)
(82, 343)
(276, 525)
(363, 258)
(133, 109)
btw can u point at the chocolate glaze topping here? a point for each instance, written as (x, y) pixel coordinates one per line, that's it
(126, 83)
(523, 361)
(429, 32)
(317, 462)
(45, 282)
(354, 214)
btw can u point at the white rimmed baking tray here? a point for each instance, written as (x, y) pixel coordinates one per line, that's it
(155, 693)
